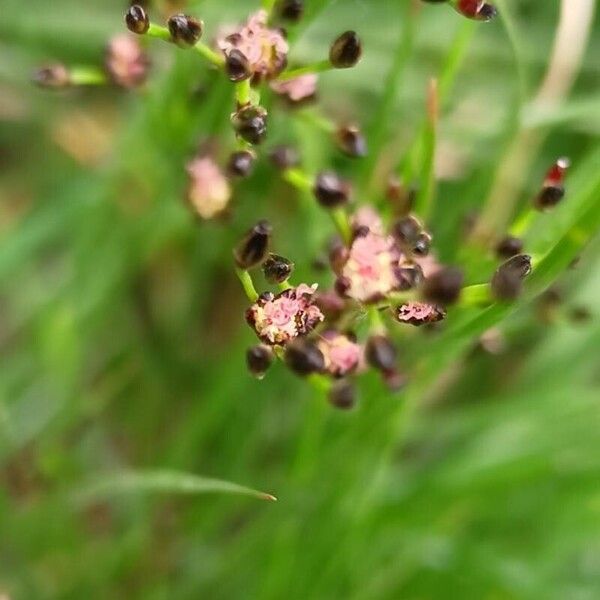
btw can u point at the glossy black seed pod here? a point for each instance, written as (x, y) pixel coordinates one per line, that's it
(330, 190)
(185, 30)
(346, 50)
(137, 19)
(240, 163)
(509, 246)
(254, 247)
(342, 395)
(258, 359)
(304, 358)
(237, 66)
(381, 353)
(277, 269)
(443, 287)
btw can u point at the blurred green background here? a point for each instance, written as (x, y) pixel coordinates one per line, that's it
(122, 336)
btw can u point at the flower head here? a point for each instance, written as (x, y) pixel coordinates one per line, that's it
(373, 268)
(209, 191)
(419, 313)
(303, 87)
(288, 315)
(126, 62)
(342, 355)
(264, 48)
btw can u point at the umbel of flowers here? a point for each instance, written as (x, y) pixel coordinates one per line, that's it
(382, 262)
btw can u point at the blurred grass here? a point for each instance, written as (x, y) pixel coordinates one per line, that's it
(122, 338)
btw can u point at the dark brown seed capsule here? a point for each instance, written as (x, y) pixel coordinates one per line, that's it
(487, 12)
(549, 197)
(284, 157)
(509, 246)
(258, 360)
(241, 163)
(52, 76)
(137, 19)
(580, 315)
(250, 123)
(401, 198)
(254, 247)
(351, 141)
(331, 190)
(443, 287)
(409, 277)
(291, 10)
(185, 30)
(277, 269)
(507, 281)
(407, 231)
(422, 244)
(342, 394)
(346, 50)
(304, 358)
(381, 353)
(237, 66)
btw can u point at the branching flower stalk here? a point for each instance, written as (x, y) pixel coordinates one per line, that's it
(384, 274)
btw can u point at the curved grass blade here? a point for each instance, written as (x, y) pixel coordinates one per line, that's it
(169, 482)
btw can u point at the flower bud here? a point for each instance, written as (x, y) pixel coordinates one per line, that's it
(507, 281)
(407, 231)
(381, 353)
(475, 9)
(342, 394)
(401, 198)
(277, 269)
(250, 123)
(291, 10)
(253, 248)
(346, 50)
(284, 157)
(331, 190)
(509, 246)
(52, 76)
(137, 19)
(258, 359)
(443, 287)
(351, 141)
(185, 30)
(304, 358)
(237, 66)
(549, 197)
(241, 163)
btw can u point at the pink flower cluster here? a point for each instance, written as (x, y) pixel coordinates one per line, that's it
(342, 355)
(278, 319)
(126, 63)
(265, 48)
(209, 191)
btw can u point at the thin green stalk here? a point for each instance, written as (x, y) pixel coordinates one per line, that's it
(317, 67)
(247, 283)
(298, 179)
(340, 220)
(159, 32)
(243, 92)
(87, 76)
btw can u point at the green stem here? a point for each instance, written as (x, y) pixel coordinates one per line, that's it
(242, 92)
(317, 67)
(376, 324)
(209, 54)
(340, 220)
(247, 283)
(475, 295)
(298, 179)
(87, 76)
(162, 33)
(319, 121)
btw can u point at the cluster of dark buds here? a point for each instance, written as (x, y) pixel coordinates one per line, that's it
(383, 267)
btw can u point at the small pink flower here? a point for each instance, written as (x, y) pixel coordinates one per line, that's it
(369, 218)
(342, 355)
(418, 313)
(209, 191)
(297, 89)
(126, 62)
(265, 48)
(281, 318)
(372, 269)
